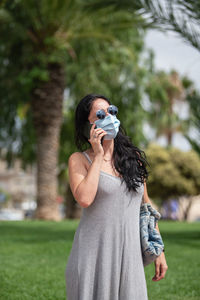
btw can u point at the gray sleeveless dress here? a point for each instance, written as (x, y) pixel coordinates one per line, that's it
(105, 262)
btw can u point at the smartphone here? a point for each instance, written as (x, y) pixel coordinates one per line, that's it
(87, 129)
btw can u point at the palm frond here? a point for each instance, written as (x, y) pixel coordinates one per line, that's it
(180, 16)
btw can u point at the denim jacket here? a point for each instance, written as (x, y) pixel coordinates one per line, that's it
(151, 241)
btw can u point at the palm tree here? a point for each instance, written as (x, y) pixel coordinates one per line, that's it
(180, 16)
(193, 98)
(34, 72)
(164, 90)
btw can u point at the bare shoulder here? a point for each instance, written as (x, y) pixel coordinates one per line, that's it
(75, 156)
(79, 156)
(77, 161)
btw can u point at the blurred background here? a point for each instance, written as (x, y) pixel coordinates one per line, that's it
(144, 56)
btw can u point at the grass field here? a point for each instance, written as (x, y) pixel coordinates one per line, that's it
(33, 257)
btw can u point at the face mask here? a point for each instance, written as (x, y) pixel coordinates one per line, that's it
(110, 124)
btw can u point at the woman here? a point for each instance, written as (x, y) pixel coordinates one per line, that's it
(108, 182)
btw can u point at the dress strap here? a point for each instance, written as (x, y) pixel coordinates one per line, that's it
(87, 156)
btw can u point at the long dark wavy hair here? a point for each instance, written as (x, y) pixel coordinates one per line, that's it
(129, 160)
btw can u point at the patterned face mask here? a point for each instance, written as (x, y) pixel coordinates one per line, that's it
(110, 124)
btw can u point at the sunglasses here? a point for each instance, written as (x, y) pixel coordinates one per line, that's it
(112, 109)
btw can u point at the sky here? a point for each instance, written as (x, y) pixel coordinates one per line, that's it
(171, 52)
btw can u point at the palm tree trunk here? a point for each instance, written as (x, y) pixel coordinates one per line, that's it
(47, 103)
(170, 116)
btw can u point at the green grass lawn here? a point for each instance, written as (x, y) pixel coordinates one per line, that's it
(33, 257)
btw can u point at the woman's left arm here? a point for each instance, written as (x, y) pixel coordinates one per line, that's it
(160, 262)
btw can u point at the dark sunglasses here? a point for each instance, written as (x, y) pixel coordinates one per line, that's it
(112, 109)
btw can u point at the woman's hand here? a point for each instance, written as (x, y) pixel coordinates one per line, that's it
(95, 140)
(160, 267)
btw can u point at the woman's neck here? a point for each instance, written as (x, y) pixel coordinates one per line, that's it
(108, 147)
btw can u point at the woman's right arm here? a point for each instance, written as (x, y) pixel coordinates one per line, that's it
(84, 183)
